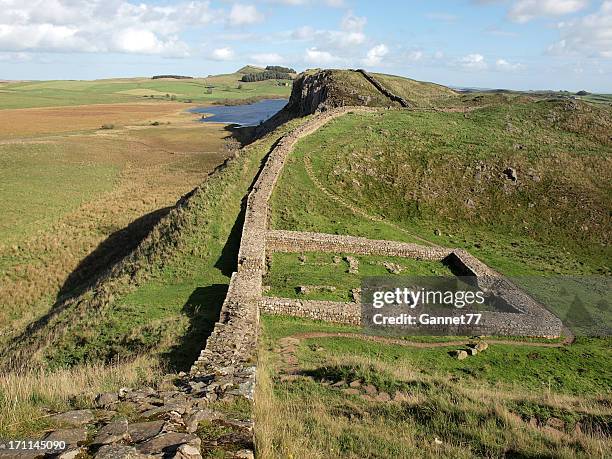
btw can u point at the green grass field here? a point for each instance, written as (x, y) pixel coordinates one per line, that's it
(37, 185)
(30, 94)
(498, 403)
(318, 271)
(425, 171)
(170, 308)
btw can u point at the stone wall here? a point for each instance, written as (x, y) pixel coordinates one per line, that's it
(228, 358)
(229, 354)
(328, 311)
(295, 241)
(378, 85)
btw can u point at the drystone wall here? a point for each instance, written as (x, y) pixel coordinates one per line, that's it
(227, 361)
(295, 241)
(378, 85)
(328, 311)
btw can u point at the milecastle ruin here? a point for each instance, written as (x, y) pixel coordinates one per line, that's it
(226, 367)
(231, 349)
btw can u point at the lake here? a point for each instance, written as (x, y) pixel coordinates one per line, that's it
(244, 115)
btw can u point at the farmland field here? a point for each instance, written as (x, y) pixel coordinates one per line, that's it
(86, 169)
(27, 94)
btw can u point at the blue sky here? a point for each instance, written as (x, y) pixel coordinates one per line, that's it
(520, 44)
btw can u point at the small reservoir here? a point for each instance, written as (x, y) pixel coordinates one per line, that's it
(243, 115)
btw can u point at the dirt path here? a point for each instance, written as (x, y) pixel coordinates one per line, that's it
(402, 342)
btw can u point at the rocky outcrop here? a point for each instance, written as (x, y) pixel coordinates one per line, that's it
(149, 423)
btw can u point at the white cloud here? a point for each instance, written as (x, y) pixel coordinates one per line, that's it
(99, 26)
(318, 57)
(332, 3)
(590, 35)
(350, 34)
(352, 23)
(267, 58)
(526, 10)
(375, 55)
(415, 56)
(505, 66)
(15, 57)
(223, 54)
(473, 62)
(244, 15)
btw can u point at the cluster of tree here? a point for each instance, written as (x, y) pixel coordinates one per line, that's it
(278, 68)
(176, 77)
(266, 75)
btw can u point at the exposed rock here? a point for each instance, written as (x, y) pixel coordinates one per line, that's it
(72, 437)
(370, 389)
(22, 454)
(159, 410)
(355, 383)
(303, 290)
(481, 346)
(73, 453)
(393, 268)
(460, 354)
(336, 259)
(119, 452)
(74, 418)
(168, 443)
(244, 454)
(193, 420)
(112, 433)
(383, 397)
(356, 295)
(106, 400)
(187, 452)
(353, 264)
(472, 351)
(142, 431)
(511, 174)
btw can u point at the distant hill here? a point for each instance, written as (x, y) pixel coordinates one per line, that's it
(250, 69)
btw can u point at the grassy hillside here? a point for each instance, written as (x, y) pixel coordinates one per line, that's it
(163, 299)
(353, 89)
(444, 177)
(69, 212)
(417, 93)
(65, 93)
(509, 401)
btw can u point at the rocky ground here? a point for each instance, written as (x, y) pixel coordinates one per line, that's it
(192, 418)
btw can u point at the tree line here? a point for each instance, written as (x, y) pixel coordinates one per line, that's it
(266, 75)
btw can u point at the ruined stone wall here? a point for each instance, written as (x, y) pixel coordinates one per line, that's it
(378, 85)
(295, 241)
(228, 358)
(328, 311)
(501, 323)
(229, 354)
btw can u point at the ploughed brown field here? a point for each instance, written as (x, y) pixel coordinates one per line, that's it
(50, 120)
